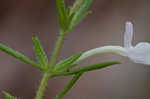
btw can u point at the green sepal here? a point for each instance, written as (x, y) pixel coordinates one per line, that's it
(39, 52)
(18, 55)
(67, 63)
(8, 96)
(81, 13)
(86, 68)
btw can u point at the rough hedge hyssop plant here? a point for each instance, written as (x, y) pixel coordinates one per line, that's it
(68, 18)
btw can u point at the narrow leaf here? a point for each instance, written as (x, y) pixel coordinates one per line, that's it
(68, 11)
(69, 86)
(8, 96)
(86, 68)
(68, 16)
(81, 13)
(85, 6)
(77, 5)
(61, 12)
(67, 63)
(18, 55)
(39, 52)
(82, 17)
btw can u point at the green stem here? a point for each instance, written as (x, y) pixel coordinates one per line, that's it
(69, 86)
(56, 51)
(42, 87)
(47, 74)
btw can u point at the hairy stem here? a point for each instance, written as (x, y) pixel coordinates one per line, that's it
(42, 87)
(56, 51)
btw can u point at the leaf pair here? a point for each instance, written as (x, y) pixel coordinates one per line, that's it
(18, 55)
(40, 54)
(66, 64)
(77, 74)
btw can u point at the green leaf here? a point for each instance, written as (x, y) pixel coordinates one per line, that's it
(69, 85)
(61, 13)
(18, 55)
(85, 6)
(81, 13)
(68, 18)
(8, 96)
(68, 12)
(86, 68)
(39, 52)
(67, 63)
(82, 17)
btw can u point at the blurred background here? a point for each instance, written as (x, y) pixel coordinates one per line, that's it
(19, 19)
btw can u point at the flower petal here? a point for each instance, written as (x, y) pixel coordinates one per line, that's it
(140, 53)
(128, 34)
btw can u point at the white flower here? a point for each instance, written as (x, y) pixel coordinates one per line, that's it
(139, 53)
